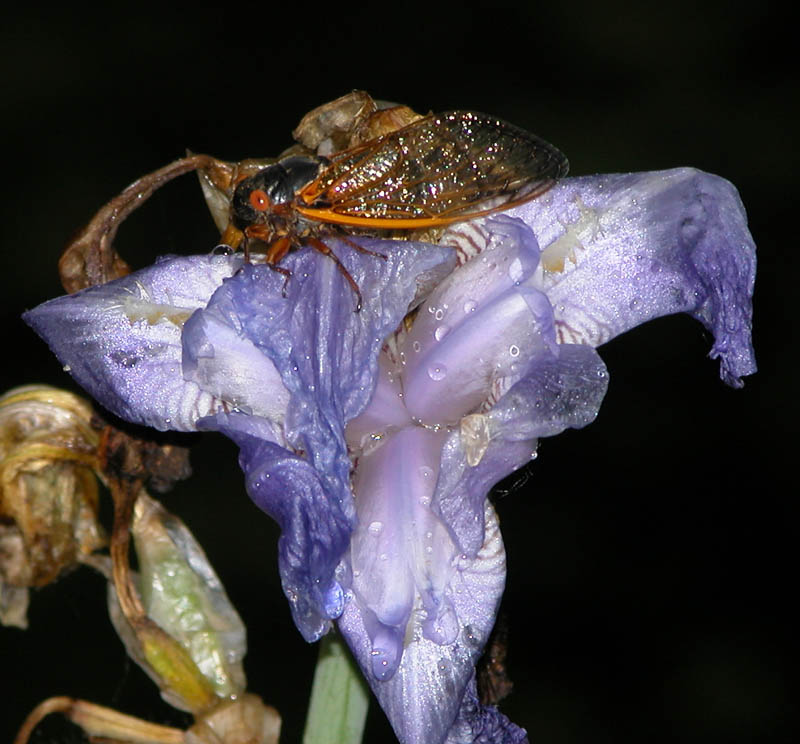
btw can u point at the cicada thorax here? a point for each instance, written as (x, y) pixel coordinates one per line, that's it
(263, 204)
(264, 208)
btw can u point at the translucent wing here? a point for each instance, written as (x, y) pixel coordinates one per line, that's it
(442, 168)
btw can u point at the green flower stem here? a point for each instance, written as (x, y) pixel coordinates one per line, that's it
(337, 710)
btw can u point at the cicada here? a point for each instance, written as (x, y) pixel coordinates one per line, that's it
(425, 173)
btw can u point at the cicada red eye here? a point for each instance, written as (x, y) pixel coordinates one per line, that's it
(259, 200)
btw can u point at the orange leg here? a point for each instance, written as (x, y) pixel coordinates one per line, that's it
(325, 250)
(360, 249)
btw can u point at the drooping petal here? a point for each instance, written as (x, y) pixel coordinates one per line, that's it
(619, 250)
(401, 553)
(122, 340)
(423, 697)
(315, 528)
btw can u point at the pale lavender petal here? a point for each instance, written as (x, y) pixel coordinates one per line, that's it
(400, 550)
(621, 249)
(482, 324)
(223, 362)
(423, 697)
(122, 340)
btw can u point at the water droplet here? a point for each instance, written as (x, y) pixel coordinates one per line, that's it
(439, 314)
(221, 250)
(416, 346)
(425, 471)
(513, 350)
(515, 271)
(429, 535)
(424, 500)
(431, 309)
(375, 528)
(384, 556)
(470, 306)
(437, 372)
(429, 550)
(441, 332)
(402, 357)
(67, 368)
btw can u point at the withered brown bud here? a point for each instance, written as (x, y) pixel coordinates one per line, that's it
(48, 491)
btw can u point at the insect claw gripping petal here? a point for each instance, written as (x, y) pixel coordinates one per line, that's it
(323, 248)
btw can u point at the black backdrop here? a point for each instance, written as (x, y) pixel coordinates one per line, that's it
(649, 554)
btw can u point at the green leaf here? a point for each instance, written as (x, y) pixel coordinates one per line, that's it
(339, 697)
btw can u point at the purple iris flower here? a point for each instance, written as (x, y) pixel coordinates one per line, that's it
(374, 442)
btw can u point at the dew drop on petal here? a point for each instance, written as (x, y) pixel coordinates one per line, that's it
(425, 471)
(513, 350)
(441, 332)
(375, 528)
(437, 372)
(416, 346)
(470, 306)
(439, 314)
(515, 271)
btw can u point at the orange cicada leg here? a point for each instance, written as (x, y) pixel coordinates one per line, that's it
(317, 244)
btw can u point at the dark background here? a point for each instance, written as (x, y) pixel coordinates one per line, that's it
(651, 556)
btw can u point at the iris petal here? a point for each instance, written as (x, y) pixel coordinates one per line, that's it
(622, 249)
(122, 340)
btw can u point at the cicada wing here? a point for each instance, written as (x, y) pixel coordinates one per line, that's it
(440, 169)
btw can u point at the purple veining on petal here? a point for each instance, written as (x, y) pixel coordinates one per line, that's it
(122, 340)
(622, 249)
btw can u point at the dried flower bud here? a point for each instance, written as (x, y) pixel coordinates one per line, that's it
(48, 491)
